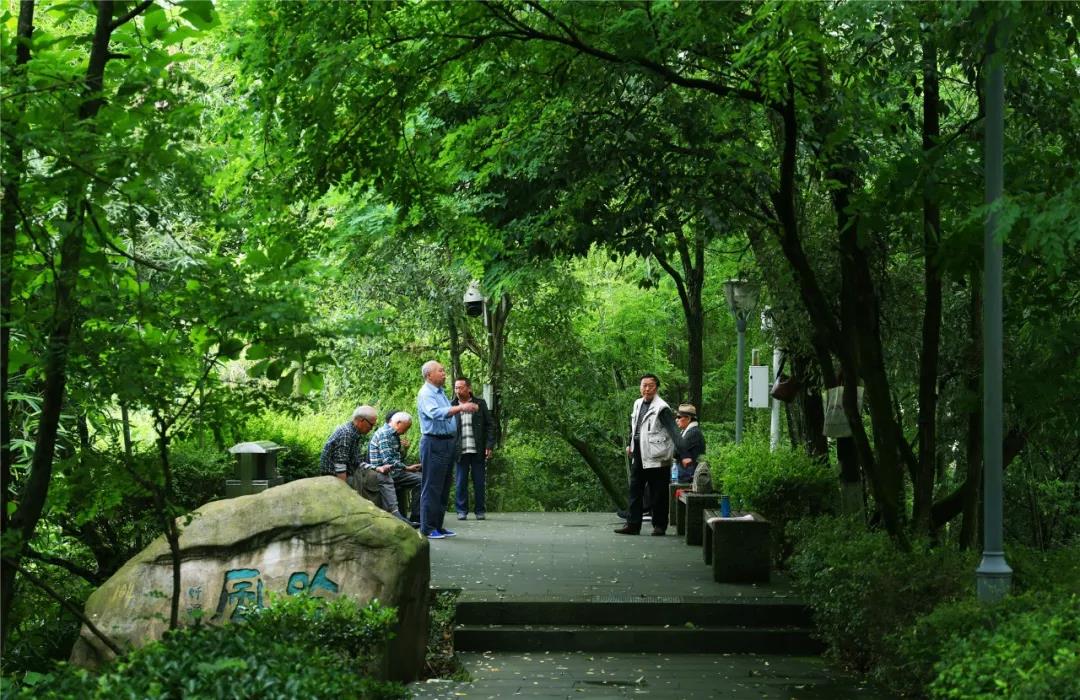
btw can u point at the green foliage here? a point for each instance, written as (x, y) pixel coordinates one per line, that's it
(303, 435)
(298, 647)
(783, 485)
(1036, 569)
(534, 472)
(862, 589)
(46, 630)
(921, 649)
(440, 659)
(1024, 648)
(199, 473)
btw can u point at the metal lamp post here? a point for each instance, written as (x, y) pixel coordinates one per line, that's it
(993, 578)
(741, 300)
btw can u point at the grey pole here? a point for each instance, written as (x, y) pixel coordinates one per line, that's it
(740, 324)
(993, 578)
(774, 416)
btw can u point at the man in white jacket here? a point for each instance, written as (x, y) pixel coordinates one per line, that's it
(654, 440)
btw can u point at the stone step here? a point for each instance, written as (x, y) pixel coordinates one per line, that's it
(751, 612)
(636, 638)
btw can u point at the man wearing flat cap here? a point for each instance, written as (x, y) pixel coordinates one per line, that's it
(693, 441)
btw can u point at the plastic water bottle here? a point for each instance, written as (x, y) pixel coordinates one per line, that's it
(725, 506)
(674, 472)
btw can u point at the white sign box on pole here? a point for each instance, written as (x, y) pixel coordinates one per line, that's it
(759, 386)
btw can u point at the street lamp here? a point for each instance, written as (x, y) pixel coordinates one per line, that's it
(741, 300)
(993, 578)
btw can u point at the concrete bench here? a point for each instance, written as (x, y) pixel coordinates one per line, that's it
(688, 515)
(740, 551)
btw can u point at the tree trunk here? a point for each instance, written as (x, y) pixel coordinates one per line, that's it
(689, 282)
(455, 348)
(496, 322)
(61, 327)
(617, 496)
(954, 504)
(931, 330)
(163, 500)
(882, 459)
(812, 423)
(8, 234)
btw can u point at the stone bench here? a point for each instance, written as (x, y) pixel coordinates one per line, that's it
(740, 551)
(672, 504)
(689, 509)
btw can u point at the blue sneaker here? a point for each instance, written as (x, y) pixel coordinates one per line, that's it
(436, 535)
(448, 533)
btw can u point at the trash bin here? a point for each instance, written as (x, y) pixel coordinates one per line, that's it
(255, 469)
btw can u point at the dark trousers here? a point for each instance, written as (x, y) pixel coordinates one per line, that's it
(657, 480)
(408, 486)
(474, 465)
(437, 462)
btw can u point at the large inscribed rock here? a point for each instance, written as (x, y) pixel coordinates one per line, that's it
(315, 535)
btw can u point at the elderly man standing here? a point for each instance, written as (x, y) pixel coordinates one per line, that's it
(384, 454)
(476, 440)
(654, 440)
(341, 455)
(438, 448)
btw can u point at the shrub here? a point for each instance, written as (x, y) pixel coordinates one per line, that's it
(302, 435)
(783, 486)
(440, 658)
(1025, 647)
(1039, 579)
(1040, 570)
(536, 472)
(299, 647)
(199, 473)
(863, 590)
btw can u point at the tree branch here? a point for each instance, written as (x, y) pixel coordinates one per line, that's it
(68, 566)
(572, 41)
(67, 605)
(130, 15)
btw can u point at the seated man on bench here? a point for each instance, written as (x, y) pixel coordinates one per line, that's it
(384, 456)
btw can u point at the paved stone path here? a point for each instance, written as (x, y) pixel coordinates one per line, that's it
(575, 556)
(669, 676)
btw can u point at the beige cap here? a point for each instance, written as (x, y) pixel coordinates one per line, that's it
(687, 409)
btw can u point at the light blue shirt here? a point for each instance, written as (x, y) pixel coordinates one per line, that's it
(433, 408)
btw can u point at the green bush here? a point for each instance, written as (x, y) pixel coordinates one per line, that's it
(1042, 570)
(537, 472)
(863, 590)
(303, 437)
(298, 647)
(783, 486)
(1039, 579)
(1025, 647)
(199, 473)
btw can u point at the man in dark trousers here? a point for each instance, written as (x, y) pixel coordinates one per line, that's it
(654, 441)
(438, 448)
(693, 441)
(476, 440)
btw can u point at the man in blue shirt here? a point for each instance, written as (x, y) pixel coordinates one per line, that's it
(438, 448)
